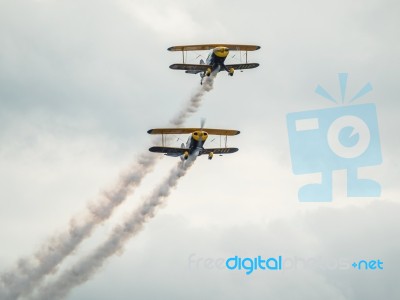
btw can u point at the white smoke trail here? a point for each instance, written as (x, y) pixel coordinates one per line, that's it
(86, 267)
(29, 272)
(195, 101)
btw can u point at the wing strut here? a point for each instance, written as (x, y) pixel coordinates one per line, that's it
(220, 142)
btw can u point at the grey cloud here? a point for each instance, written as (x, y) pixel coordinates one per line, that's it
(94, 75)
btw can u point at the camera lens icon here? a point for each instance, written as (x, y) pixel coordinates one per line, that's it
(338, 138)
(348, 136)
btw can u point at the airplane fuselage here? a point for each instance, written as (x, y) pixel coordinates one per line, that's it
(196, 141)
(217, 57)
(216, 61)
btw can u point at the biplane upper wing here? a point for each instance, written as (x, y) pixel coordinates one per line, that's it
(171, 151)
(243, 66)
(221, 131)
(190, 67)
(191, 130)
(232, 47)
(219, 150)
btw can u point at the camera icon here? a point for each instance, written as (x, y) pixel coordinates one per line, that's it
(325, 140)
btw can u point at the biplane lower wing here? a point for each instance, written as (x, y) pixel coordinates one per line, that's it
(194, 69)
(170, 151)
(211, 131)
(190, 68)
(219, 150)
(242, 66)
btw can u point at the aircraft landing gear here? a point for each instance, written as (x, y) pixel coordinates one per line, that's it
(185, 155)
(231, 71)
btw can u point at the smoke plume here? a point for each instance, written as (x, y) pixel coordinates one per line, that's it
(29, 272)
(195, 101)
(86, 267)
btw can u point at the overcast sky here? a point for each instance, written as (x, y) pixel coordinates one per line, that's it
(82, 81)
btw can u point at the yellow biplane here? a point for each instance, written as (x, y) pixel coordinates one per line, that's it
(215, 59)
(195, 142)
